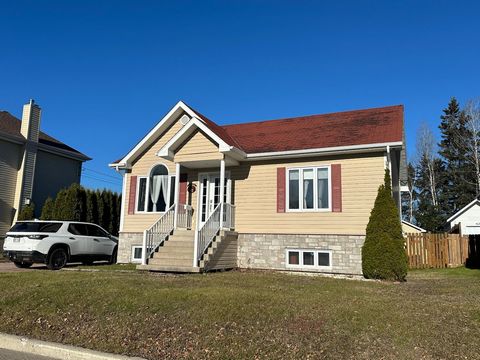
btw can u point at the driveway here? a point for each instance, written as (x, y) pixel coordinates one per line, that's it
(10, 267)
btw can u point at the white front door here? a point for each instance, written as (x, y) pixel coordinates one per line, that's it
(209, 196)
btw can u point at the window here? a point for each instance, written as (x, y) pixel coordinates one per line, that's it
(155, 193)
(309, 189)
(78, 229)
(309, 259)
(36, 226)
(96, 231)
(137, 253)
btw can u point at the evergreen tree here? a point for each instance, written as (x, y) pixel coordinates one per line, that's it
(428, 214)
(48, 210)
(27, 213)
(92, 207)
(59, 211)
(383, 253)
(457, 180)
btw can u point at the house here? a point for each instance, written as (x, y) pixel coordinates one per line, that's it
(409, 228)
(466, 221)
(290, 194)
(33, 165)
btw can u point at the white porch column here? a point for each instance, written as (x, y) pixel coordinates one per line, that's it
(222, 190)
(177, 193)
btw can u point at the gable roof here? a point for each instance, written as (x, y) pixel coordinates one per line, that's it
(464, 209)
(414, 226)
(11, 126)
(376, 127)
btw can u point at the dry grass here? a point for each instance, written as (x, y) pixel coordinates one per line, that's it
(434, 315)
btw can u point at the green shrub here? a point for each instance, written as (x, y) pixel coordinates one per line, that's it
(383, 253)
(27, 213)
(48, 210)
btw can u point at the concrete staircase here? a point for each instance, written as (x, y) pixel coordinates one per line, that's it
(176, 254)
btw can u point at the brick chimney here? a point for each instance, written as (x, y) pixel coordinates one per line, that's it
(31, 121)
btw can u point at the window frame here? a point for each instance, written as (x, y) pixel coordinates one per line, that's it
(133, 259)
(300, 170)
(315, 265)
(147, 195)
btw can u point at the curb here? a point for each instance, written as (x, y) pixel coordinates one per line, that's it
(55, 350)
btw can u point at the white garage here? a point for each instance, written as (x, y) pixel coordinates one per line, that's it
(466, 221)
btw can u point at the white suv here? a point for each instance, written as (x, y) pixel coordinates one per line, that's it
(57, 242)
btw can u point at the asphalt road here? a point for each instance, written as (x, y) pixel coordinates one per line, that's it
(14, 355)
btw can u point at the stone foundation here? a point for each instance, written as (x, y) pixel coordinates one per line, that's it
(125, 243)
(268, 251)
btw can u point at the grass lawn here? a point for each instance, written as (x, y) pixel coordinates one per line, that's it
(435, 315)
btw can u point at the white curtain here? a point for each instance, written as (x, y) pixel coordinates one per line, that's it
(306, 184)
(164, 182)
(155, 185)
(321, 193)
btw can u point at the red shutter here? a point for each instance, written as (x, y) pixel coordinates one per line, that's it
(132, 194)
(281, 190)
(182, 196)
(336, 188)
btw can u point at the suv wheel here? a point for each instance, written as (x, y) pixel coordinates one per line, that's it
(58, 259)
(22, 265)
(113, 258)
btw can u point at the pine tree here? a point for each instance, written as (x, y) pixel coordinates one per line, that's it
(48, 209)
(457, 181)
(27, 213)
(383, 253)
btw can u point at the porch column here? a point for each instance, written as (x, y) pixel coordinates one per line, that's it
(222, 190)
(177, 193)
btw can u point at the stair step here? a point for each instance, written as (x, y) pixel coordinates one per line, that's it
(176, 269)
(181, 238)
(171, 262)
(178, 244)
(174, 255)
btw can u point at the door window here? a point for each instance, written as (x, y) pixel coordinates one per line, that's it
(78, 229)
(95, 231)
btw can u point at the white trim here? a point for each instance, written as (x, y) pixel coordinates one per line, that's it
(132, 256)
(177, 193)
(147, 195)
(315, 265)
(321, 151)
(462, 210)
(315, 208)
(209, 174)
(122, 205)
(414, 226)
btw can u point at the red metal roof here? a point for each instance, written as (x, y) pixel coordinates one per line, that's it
(358, 127)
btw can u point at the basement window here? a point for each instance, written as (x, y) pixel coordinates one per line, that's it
(308, 259)
(137, 254)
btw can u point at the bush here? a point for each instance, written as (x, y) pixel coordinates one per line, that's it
(383, 253)
(48, 210)
(27, 213)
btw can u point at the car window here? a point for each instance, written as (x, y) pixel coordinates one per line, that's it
(78, 229)
(41, 227)
(96, 231)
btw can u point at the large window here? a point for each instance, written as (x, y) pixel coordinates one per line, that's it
(155, 192)
(309, 189)
(308, 259)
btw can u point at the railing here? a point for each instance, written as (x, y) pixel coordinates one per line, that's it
(208, 231)
(157, 233)
(228, 216)
(184, 216)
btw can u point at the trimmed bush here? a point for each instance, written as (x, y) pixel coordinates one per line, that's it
(383, 253)
(27, 213)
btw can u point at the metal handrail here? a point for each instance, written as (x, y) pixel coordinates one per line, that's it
(154, 236)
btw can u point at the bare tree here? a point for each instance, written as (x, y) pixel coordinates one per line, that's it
(426, 151)
(472, 142)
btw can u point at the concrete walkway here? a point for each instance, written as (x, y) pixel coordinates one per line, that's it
(16, 355)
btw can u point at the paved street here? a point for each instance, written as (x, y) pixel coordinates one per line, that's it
(13, 355)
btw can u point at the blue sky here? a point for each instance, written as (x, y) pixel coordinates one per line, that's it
(104, 72)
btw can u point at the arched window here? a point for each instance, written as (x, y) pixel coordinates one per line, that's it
(158, 188)
(154, 190)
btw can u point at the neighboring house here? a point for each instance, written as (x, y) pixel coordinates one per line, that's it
(33, 165)
(466, 221)
(409, 228)
(297, 193)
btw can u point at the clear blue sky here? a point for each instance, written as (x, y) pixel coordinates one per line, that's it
(105, 72)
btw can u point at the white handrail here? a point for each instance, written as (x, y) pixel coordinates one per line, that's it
(208, 231)
(157, 233)
(228, 216)
(184, 216)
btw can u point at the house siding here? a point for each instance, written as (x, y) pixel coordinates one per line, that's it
(9, 164)
(196, 148)
(53, 173)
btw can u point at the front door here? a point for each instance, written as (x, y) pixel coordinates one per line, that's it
(210, 194)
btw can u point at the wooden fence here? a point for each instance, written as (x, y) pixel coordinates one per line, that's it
(436, 250)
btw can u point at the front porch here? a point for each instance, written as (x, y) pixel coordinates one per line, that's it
(196, 233)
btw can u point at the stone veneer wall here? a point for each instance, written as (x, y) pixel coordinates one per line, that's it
(125, 243)
(267, 251)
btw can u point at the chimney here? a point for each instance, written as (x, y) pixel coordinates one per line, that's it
(31, 121)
